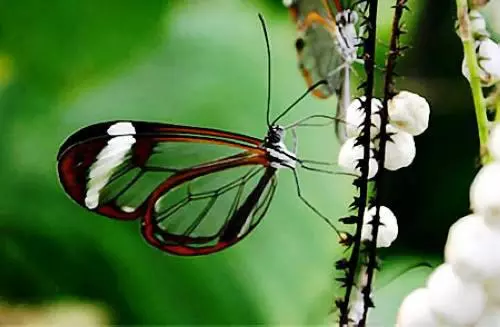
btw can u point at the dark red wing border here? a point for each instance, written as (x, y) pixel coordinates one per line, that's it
(99, 130)
(73, 169)
(80, 150)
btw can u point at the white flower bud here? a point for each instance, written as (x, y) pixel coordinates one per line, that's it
(478, 25)
(484, 194)
(489, 318)
(355, 117)
(401, 151)
(455, 301)
(494, 142)
(472, 249)
(387, 231)
(288, 3)
(357, 308)
(349, 156)
(415, 311)
(409, 112)
(488, 57)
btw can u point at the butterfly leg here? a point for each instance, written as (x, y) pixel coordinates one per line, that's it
(302, 161)
(337, 70)
(307, 203)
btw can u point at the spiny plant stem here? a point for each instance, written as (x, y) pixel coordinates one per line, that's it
(464, 30)
(364, 140)
(389, 92)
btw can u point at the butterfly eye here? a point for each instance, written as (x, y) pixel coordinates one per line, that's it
(275, 134)
(340, 18)
(300, 44)
(278, 129)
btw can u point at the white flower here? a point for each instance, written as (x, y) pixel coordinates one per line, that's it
(349, 156)
(357, 309)
(401, 151)
(387, 231)
(488, 57)
(355, 117)
(472, 249)
(415, 310)
(409, 112)
(455, 301)
(288, 3)
(494, 142)
(490, 317)
(485, 195)
(478, 25)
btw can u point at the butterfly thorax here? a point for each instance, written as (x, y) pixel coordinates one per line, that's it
(279, 155)
(347, 39)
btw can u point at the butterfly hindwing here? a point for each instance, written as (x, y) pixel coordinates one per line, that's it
(211, 209)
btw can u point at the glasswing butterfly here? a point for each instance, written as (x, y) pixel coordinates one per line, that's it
(326, 47)
(196, 190)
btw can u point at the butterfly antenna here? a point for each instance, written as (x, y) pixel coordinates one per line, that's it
(268, 48)
(309, 90)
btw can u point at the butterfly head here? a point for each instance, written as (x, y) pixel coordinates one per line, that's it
(346, 17)
(275, 135)
(278, 152)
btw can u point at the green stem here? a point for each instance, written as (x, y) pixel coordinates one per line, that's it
(475, 81)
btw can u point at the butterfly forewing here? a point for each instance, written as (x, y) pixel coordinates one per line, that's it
(317, 54)
(317, 43)
(112, 168)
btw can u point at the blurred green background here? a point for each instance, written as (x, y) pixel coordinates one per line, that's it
(65, 64)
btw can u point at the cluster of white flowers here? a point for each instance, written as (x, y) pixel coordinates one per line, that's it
(465, 290)
(408, 117)
(487, 51)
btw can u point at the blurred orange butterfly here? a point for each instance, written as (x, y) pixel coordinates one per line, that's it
(326, 44)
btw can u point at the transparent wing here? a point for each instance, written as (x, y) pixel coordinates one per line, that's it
(318, 54)
(207, 210)
(113, 167)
